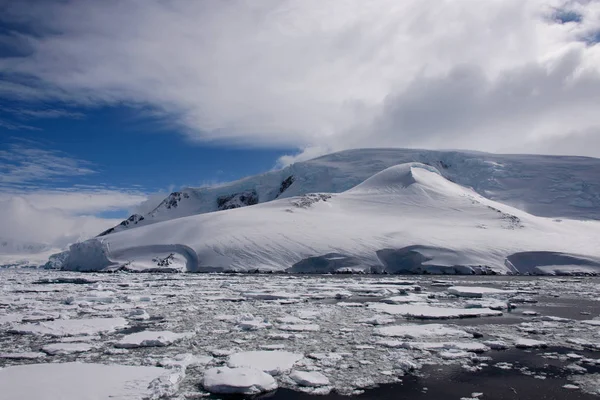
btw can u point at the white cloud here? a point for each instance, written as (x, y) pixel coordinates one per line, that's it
(497, 75)
(23, 163)
(23, 222)
(60, 217)
(31, 211)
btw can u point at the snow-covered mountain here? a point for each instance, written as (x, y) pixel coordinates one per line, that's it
(404, 218)
(549, 186)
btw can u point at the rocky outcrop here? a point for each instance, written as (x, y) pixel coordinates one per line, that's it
(133, 220)
(237, 200)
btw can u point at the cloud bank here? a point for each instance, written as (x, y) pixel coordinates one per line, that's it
(498, 75)
(33, 209)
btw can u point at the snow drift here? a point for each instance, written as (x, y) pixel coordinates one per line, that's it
(407, 218)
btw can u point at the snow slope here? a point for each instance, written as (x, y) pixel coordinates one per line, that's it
(550, 186)
(406, 218)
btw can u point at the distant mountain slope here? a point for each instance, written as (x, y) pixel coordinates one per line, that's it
(549, 186)
(405, 219)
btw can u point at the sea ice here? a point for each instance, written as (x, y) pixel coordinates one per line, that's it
(77, 381)
(271, 362)
(61, 349)
(150, 339)
(248, 381)
(420, 331)
(309, 379)
(71, 327)
(429, 312)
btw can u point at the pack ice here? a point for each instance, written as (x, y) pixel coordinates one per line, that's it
(407, 218)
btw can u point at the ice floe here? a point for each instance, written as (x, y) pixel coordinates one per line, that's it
(271, 362)
(77, 381)
(151, 339)
(248, 381)
(71, 327)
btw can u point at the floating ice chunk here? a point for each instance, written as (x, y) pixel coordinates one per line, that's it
(378, 320)
(271, 362)
(299, 327)
(70, 327)
(577, 369)
(309, 379)
(74, 339)
(308, 314)
(30, 355)
(39, 316)
(291, 320)
(414, 331)
(243, 380)
(250, 323)
(473, 347)
(139, 314)
(477, 291)
(530, 313)
(77, 381)
(594, 322)
(61, 349)
(405, 299)
(280, 336)
(429, 312)
(550, 318)
(277, 346)
(151, 339)
(455, 354)
(570, 386)
(270, 295)
(529, 343)
(496, 344)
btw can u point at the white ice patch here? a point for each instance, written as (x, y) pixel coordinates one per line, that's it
(477, 291)
(429, 312)
(151, 339)
(529, 343)
(299, 327)
(29, 355)
(71, 327)
(61, 349)
(246, 381)
(309, 379)
(77, 381)
(415, 331)
(271, 362)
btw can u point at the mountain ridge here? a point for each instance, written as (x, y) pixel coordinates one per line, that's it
(407, 218)
(550, 186)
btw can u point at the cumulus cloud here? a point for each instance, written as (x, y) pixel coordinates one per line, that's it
(498, 75)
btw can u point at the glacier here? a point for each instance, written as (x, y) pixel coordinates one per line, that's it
(406, 218)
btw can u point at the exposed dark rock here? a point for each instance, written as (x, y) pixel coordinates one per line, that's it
(237, 200)
(309, 199)
(173, 200)
(164, 262)
(132, 220)
(287, 182)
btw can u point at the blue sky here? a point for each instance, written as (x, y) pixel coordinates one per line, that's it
(106, 106)
(123, 148)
